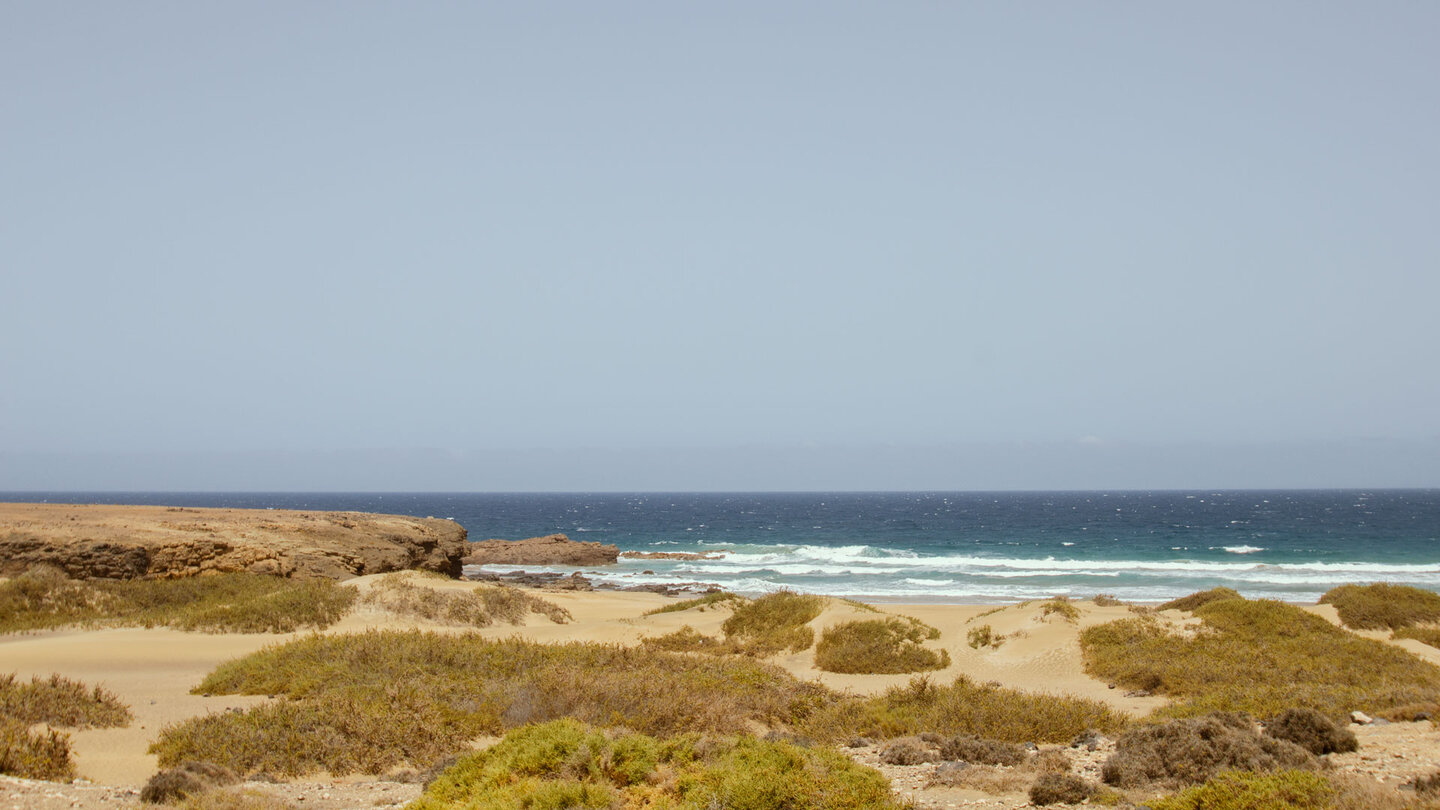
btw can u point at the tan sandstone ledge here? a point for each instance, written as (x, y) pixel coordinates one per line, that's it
(128, 542)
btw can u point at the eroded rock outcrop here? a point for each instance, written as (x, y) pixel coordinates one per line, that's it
(552, 549)
(128, 542)
(669, 555)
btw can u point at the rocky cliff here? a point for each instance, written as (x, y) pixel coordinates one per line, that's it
(552, 549)
(127, 542)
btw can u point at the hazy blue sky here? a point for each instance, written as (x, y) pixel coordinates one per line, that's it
(732, 245)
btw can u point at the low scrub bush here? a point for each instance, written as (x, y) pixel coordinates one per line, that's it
(688, 639)
(567, 764)
(875, 646)
(969, 748)
(775, 622)
(372, 701)
(1199, 598)
(907, 751)
(188, 779)
(1312, 731)
(1260, 657)
(984, 636)
(1060, 788)
(1424, 635)
(60, 701)
(1242, 790)
(1192, 750)
(44, 598)
(43, 755)
(480, 607)
(699, 602)
(235, 799)
(1106, 600)
(963, 707)
(1382, 605)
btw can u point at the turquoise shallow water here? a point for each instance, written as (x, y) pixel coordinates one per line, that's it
(948, 547)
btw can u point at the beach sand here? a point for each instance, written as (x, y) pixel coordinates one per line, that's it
(153, 671)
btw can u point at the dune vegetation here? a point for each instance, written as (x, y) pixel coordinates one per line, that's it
(1260, 657)
(1382, 606)
(59, 703)
(878, 646)
(478, 607)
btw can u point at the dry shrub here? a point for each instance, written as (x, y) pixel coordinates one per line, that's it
(188, 779)
(481, 607)
(963, 707)
(984, 636)
(1061, 605)
(235, 799)
(969, 748)
(44, 597)
(1060, 788)
(60, 701)
(1192, 750)
(368, 702)
(1199, 598)
(688, 639)
(1312, 731)
(1424, 635)
(1383, 605)
(699, 602)
(1242, 790)
(566, 764)
(775, 622)
(43, 755)
(1106, 600)
(876, 646)
(908, 751)
(1260, 657)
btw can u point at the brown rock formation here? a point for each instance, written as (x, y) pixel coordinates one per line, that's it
(552, 549)
(668, 555)
(127, 542)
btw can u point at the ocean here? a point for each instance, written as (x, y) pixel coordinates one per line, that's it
(956, 547)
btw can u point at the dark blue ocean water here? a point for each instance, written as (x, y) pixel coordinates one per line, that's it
(947, 547)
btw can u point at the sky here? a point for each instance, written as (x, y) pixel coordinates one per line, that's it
(744, 246)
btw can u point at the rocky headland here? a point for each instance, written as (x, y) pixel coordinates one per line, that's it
(96, 541)
(552, 549)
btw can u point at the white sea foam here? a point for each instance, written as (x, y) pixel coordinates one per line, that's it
(1240, 549)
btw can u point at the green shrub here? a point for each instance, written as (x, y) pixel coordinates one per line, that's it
(566, 764)
(44, 598)
(1240, 790)
(1192, 750)
(1260, 657)
(1312, 731)
(775, 622)
(1199, 598)
(368, 702)
(872, 646)
(1382, 605)
(963, 707)
(700, 602)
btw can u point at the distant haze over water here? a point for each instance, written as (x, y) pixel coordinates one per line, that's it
(945, 547)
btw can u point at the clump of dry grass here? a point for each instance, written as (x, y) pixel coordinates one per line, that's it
(1061, 605)
(44, 598)
(1191, 750)
(984, 636)
(1246, 790)
(963, 707)
(57, 702)
(1106, 600)
(890, 645)
(1312, 731)
(689, 640)
(235, 799)
(1199, 598)
(1060, 788)
(566, 764)
(1260, 657)
(44, 755)
(700, 602)
(373, 701)
(1424, 635)
(1382, 605)
(480, 607)
(775, 622)
(60, 701)
(970, 748)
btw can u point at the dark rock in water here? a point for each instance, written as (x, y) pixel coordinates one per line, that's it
(94, 541)
(552, 549)
(668, 555)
